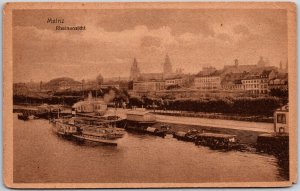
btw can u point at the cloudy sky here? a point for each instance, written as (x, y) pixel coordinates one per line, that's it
(192, 38)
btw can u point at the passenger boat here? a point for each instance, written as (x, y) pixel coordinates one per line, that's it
(76, 128)
(217, 141)
(65, 127)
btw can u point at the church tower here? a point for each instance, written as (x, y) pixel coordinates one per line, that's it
(167, 66)
(134, 71)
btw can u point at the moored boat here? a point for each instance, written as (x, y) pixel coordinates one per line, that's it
(217, 141)
(191, 135)
(23, 116)
(64, 127)
(155, 131)
(99, 132)
(180, 135)
(141, 117)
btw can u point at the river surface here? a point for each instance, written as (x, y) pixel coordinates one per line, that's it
(40, 156)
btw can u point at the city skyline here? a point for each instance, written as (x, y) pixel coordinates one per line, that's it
(108, 46)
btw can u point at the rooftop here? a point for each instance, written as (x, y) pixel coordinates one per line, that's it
(215, 73)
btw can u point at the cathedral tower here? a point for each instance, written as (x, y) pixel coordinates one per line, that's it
(167, 66)
(134, 71)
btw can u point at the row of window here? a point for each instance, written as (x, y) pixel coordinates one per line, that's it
(258, 91)
(208, 80)
(210, 84)
(173, 81)
(255, 81)
(256, 86)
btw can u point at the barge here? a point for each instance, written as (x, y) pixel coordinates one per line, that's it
(217, 141)
(141, 121)
(140, 117)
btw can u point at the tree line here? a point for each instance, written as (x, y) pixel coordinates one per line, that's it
(244, 105)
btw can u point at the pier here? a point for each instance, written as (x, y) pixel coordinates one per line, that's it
(216, 123)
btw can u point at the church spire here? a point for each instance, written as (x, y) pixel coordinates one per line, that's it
(134, 71)
(167, 66)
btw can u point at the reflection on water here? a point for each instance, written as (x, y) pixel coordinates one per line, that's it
(41, 156)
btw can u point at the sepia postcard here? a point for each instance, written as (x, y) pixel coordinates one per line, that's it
(149, 95)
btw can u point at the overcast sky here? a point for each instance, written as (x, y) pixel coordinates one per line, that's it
(192, 38)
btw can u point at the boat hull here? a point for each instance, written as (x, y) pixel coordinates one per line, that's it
(87, 139)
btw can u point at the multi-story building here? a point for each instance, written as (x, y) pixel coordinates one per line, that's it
(148, 86)
(235, 85)
(256, 84)
(232, 81)
(212, 81)
(174, 81)
(279, 82)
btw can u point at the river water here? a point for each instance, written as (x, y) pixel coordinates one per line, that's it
(40, 156)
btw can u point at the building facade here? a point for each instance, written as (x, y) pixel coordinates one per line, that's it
(174, 81)
(277, 83)
(148, 86)
(236, 85)
(208, 82)
(256, 84)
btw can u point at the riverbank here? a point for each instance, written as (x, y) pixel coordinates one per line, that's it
(205, 122)
(249, 118)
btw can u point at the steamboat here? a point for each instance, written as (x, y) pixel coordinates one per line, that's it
(88, 124)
